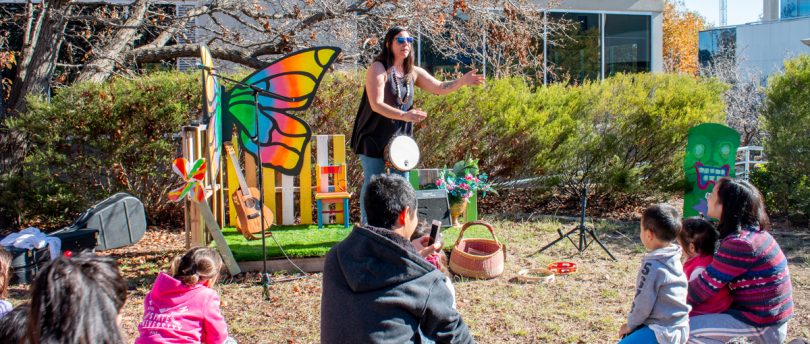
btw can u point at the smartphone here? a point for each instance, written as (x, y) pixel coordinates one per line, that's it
(434, 231)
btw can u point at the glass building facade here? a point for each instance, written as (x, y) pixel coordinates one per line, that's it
(794, 8)
(627, 43)
(595, 45)
(716, 43)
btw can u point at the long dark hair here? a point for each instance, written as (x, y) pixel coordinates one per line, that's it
(77, 300)
(14, 323)
(743, 206)
(386, 56)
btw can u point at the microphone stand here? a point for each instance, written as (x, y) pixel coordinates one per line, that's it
(255, 139)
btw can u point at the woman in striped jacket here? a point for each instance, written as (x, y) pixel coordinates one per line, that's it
(751, 264)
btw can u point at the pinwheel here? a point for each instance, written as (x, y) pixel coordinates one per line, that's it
(193, 178)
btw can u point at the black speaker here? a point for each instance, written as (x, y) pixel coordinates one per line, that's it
(433, 205)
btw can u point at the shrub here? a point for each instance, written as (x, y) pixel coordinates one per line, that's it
(92, 140)
(625, 135)
(786, 119)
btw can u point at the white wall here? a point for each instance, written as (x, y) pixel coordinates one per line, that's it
(762, 47)
(610, 5)
(658, 42)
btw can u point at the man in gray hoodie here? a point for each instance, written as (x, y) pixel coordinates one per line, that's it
(659, 312)
(377, 288)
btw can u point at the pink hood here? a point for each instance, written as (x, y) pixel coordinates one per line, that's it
(176, 313)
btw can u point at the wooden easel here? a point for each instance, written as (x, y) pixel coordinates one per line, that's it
(200, 217)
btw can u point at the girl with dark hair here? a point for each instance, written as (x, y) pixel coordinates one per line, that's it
(183, 307)
(77, 300)
(698, 239)
(386, 109)
(14, 324)
(751, 264)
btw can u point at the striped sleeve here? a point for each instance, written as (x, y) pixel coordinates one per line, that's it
(734, 258)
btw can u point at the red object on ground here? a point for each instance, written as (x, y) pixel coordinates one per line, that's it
(562, 268)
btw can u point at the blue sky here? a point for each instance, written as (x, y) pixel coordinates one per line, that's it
(739, 11)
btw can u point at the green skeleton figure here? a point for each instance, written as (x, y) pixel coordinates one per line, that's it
(711, 151)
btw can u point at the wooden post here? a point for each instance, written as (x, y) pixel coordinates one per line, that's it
(250, 170)
(287, 199)
(338, 158)
(185, 151)
(233, 183)
(222, 197)
(269, 185)
(212, 177)
(305, 187)
(198, 231)
(194, 223)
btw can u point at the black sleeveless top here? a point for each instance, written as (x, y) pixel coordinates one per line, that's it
(373, 131)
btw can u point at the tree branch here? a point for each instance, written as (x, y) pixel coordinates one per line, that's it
(178, 25)
(103, 65)
(193, 50)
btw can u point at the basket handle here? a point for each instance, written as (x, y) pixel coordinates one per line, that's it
(474, 223)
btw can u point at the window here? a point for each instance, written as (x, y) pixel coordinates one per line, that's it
(578, 56)
(627, 43)
(795, 8)
(713, 44)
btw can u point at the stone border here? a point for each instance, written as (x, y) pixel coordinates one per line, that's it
(310, 264)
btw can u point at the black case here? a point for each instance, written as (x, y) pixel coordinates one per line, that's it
(25, 264)
(78, 240)
(119, 219)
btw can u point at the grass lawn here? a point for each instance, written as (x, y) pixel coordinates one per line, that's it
(585, 307)
(309, 241)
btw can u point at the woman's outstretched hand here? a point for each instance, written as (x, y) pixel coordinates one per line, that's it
(470, 78)
(414, 115)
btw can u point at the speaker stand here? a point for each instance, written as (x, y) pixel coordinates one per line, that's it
(583, 231)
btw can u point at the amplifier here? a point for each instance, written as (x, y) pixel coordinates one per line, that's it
(433, 205)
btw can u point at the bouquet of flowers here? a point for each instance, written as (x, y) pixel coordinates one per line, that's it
(463, 181)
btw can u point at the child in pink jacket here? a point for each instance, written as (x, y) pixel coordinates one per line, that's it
(182, 307)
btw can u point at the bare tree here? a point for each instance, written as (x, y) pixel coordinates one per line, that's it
(99, 40)
(744, 98)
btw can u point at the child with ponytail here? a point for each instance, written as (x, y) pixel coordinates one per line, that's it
(182, 306)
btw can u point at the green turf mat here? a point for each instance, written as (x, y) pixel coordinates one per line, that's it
(309, 241)
(297, 241)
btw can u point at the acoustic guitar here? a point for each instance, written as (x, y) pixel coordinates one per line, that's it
(246, 202)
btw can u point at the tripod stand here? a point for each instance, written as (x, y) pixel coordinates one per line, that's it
(580, 229)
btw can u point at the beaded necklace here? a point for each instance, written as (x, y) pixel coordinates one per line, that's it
(396, 81)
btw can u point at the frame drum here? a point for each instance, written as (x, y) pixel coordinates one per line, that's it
(402, 153)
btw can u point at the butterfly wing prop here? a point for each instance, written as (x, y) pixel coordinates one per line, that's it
(291, 83)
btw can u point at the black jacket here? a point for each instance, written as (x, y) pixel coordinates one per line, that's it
(377, 289)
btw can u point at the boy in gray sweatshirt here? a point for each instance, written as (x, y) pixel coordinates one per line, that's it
(659, 312)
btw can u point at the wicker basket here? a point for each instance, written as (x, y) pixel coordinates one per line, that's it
(477, 258)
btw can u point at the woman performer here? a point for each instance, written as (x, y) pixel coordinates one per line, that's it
(386, 109)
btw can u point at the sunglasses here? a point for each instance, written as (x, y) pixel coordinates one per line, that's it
(402, 40)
